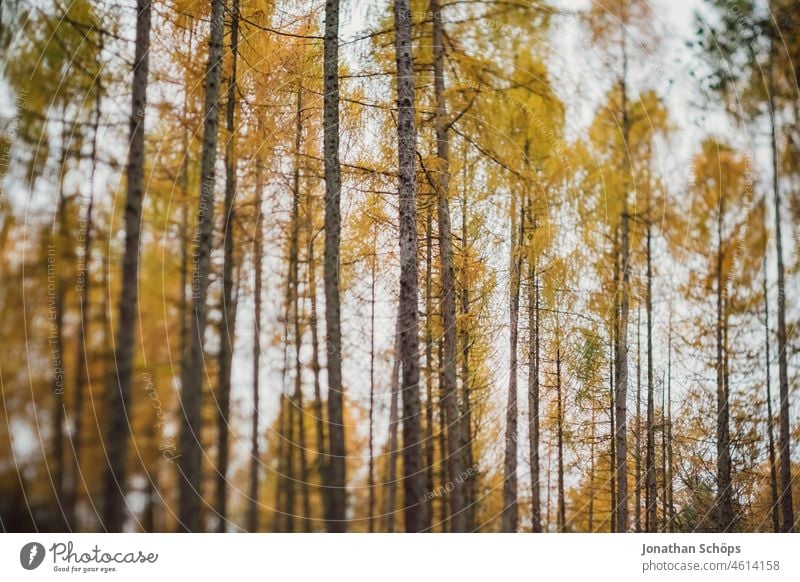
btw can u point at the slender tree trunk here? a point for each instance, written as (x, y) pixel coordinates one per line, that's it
(55, 258)
(613, 452)
(470, 491)
(255, 454)
(299, 406)
(190, 461)
(562, 511)
(429, 366)
(547, 503)
(415, 502)
(287, 480)
(533, 392)
(84, 296)
(390, 502)
(664, 485)
(638, 452)
(316, 368)
(337, 507)
(119, 389)
(444, 506)
(151, 487)
(447, 273)
(592, 464)
(293, 312)
(228, 307)
(724, 509)
(784, 429)
(773, 472)
(510, 508)
(651, 499)
(371, 469)
(670, 502)
(621, 396)
(280, 515)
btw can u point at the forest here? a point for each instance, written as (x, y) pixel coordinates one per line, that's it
(399, 266)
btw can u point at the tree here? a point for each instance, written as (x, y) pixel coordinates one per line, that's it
(335, 486)
(189, 463)
(447, 272)
(415, 503)
(749, 37)
(119, 389)
(228, 305)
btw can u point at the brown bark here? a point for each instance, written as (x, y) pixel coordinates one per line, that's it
(724, 510)
(81, 361)
(562, 511)
(651, 501)
(335, 465)
(316, 368)
(415, 502)
(621, 372)
(390, 501)
(533, 392)
(371, 468)
(56, 254)
(429, 365)
(784, 429)
(773, 473)
(119, 388)
(669, 477)
(470, 490)
(447, 274)
(227, 330)
(255, 454)
(510, 516)
(190, 461)
(637, 519)
(612, 432)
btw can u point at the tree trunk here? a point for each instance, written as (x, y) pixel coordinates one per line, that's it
(391, 481)
(280, 513)
(664, 484)
(533, 392)
(444, 519)
(298, 405)
(227, 330)
(670, 502)
(784, 429)
(55, 256)
(337, 507)
(470, 490)
(592, 437)
(612, 432)
(293, 312)
(724, 509)
(510, 516)
(119, 389)
(429, 365)
(371, 469)
(650, 493)
(773, 473)
(638, 431)
(315, 367)
(415, 503)
(255, 455)
(562, 511)
(621, 373)
(190, 461)
(81, 361)
(447, 273)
